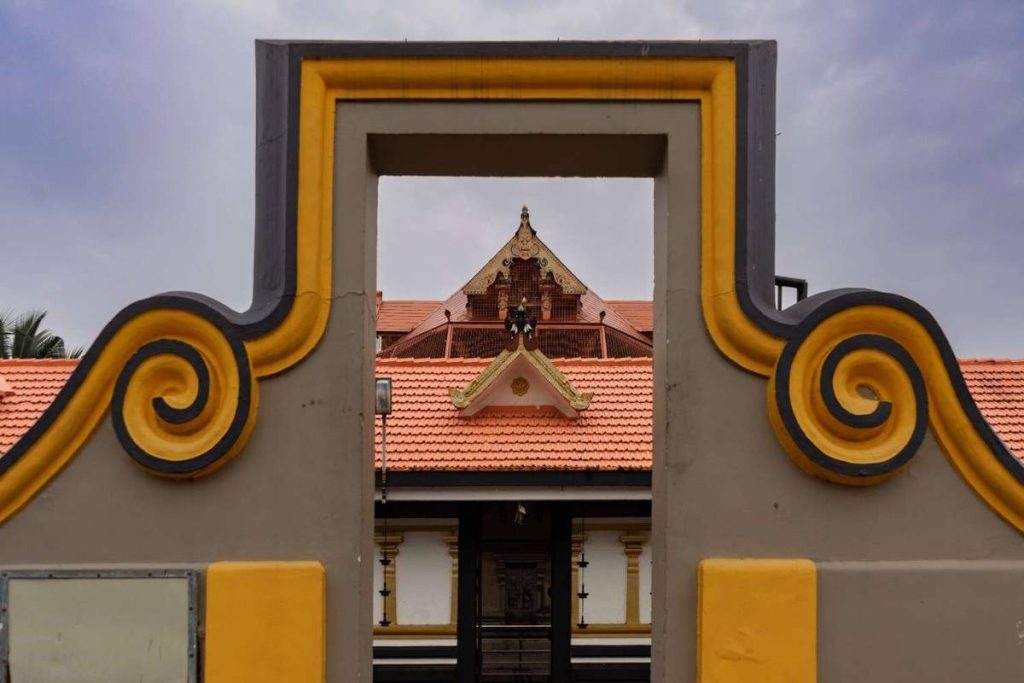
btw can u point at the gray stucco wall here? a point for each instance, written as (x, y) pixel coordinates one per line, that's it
(302, 489)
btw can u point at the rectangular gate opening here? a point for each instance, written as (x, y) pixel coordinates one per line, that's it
(482, 571)
(520, 596)
(524, 375)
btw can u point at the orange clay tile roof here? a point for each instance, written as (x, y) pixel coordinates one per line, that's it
(639, 313)
(403, 315)
(997, 386)
(426, 433)
(27, 387)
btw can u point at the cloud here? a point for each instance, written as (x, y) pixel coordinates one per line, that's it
(126, 153)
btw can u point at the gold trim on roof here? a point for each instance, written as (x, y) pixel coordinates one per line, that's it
(524, 245)
(464, 398)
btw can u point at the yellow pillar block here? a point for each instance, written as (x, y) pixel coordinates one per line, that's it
(265, 622)
(757, 621)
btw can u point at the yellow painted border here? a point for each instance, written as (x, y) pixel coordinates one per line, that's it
(708, 81)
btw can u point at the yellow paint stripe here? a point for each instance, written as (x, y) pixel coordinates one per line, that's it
(265, 622)
(711, 82)
(757, 621)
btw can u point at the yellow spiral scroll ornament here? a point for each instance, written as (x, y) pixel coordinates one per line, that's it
(184, 403)
(858, 383)
(855, 411)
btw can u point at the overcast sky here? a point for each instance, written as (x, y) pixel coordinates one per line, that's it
(126, 152)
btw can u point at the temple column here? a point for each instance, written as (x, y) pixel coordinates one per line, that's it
(633, 546)
(452, 541)
(577, 548)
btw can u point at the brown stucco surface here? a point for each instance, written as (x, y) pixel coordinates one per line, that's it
(942, 621)
(302, 489)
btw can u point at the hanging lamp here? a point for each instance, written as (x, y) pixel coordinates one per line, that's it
(581, 566)
(382, 407)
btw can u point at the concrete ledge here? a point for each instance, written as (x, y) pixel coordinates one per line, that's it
(946, 620)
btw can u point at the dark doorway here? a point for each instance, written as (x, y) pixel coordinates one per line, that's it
(514, 600)
(520, 591)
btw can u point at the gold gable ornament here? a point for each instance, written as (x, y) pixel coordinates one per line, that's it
(524, 245)
(469, 399)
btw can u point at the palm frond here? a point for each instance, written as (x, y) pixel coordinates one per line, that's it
(47, 345)
(6, 332)
(24, 337)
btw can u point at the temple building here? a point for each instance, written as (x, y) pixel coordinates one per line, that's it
(513, 472)
(522, 406)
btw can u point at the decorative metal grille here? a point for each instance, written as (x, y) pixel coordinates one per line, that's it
(570, 343)
(623, 346)
(554, 341)
(478, 342)
(430, 345)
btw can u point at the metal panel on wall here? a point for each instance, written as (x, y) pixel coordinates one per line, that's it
(111, 626)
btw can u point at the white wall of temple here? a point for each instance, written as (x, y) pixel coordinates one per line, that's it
(424, 577)
(422, 554)
(604, 578)
(378, 584)
(420, 575)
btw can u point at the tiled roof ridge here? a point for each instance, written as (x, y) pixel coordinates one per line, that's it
(28, 362)
(412, 301)
(432, 361)
(575, 362)
(625, 360)
(441, 301)
(990, 361)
